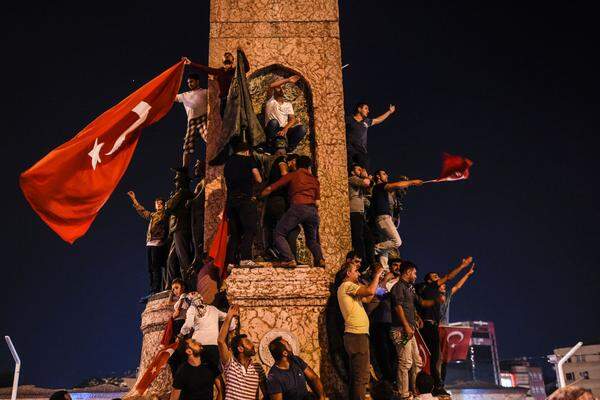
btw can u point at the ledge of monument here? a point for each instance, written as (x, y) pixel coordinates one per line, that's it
(271, 282)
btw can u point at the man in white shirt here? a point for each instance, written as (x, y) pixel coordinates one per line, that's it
(281, 125)
(204, 320)
(194, 101)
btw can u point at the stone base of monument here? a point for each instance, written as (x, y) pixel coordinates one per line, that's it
(287, 302)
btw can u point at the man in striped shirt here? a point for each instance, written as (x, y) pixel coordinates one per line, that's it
(243, 376)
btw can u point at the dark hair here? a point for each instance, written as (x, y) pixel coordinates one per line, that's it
(406, 266)
(303, 162)
(424, 383)
(226, 53)
(59, 395)
(427, 277)
(358, 106)
(180, 281)
(277, 348)
(350, 255)
(291, 157)
(394, 261)
(235, 343)
(342, 274)
(240, 146)
(194, 76)
(159, 199)
(568, 393)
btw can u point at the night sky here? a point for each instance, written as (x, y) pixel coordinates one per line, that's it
(514, 89)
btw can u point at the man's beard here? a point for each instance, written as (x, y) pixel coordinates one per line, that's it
(249, 352)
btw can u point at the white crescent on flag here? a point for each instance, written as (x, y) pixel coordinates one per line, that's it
(142, 109)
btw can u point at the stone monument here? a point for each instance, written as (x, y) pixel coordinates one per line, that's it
(281, 38)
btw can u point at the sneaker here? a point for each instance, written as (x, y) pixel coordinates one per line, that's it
(271, 252)
(440, 392)
(287, 264)
(248, 263)
(321, 264)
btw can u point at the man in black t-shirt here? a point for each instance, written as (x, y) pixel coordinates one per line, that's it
(381, 204)
(194, 380)
(289, 375)
(277, 204)
(357, 126)
(241, 172)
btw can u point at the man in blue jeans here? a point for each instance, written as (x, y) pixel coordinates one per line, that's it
(283, 129)
(303, 192)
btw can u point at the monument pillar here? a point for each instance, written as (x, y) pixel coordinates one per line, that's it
(301, 36)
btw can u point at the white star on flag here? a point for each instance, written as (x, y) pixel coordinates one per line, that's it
(95, 153)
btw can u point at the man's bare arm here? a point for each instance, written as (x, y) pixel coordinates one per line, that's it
(224, 352)
(402, 317)
(369, 291)
(279, 82)
(462, 280)
(452, 274)
(256, 175)
(384, 116)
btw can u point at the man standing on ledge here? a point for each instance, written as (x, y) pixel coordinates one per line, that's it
(303, 193)
(156, 238)
(194, 102)
(357, 126)
(381, 203)
(351, 294)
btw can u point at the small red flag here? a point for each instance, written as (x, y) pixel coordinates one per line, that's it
(423, 352)
(69, 186)
(455, 342)
(218, 247)
(454, 168)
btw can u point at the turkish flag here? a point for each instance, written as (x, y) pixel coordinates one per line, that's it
(455, 342)
(69, 186)
(152, 371)
(454, 168)
(423, 352)
(218, 247)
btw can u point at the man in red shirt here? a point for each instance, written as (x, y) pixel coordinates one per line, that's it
(303, 192)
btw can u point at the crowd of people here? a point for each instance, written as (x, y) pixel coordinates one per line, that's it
(382, 307)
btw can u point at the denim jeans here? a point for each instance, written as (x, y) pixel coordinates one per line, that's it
(390, 235)
(299, 214)
(293, 137)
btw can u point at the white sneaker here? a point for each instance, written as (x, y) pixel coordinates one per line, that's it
(248, 263)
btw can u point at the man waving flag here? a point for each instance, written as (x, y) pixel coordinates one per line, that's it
(69, 186)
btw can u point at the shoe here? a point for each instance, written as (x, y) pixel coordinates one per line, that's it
(248, 263)
(286, 264)
(321, 264)
(440, 392)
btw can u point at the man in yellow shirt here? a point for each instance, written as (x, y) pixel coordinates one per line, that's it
(351, 294)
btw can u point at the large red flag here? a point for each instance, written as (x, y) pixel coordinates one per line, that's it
(454, 168)
(218, 247)
(69, 186)
(455, 342)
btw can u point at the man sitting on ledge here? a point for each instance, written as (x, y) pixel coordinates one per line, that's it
(303, 192)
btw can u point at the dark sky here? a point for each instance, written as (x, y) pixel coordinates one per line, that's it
(513, 88)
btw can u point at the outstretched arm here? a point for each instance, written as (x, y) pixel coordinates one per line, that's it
(452, 274)
(384, 116)
(279, 82)
(138, 207)
(462, 280)
(390, 187)
(224, 351)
